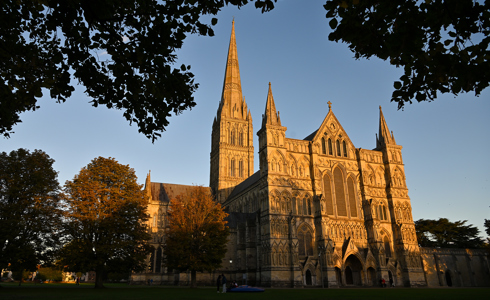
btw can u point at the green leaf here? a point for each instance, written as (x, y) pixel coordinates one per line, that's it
(397, 85)
(214, 21)
(333, 23)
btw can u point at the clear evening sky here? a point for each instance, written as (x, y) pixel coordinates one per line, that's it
(445, 143)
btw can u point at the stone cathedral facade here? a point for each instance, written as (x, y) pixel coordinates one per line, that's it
(318, 212)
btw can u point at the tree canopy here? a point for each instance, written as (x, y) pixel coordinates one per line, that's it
(442, 45)
(121, 51)
(30, 212)
(197, 235)
(105, 220)
(443, 233)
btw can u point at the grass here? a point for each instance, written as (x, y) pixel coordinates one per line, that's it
(122, 292)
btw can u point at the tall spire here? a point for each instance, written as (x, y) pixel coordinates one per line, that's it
(148, 185)
(384, 136)
(270, 117)
(231, 98)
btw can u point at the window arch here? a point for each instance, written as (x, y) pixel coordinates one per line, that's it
(327, 192)
(240, 138)
(330, 148)
(232, 167)
(386, 242)
(240, 168)
(339, 153)
(352, 197)
(339, 192)
(381, 212)
(305, 241)
(324, 146)
(158, 263)
(344, 146)
(232, 137)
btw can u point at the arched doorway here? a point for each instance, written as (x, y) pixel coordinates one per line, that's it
(449, 281)
(353, 269)
(308, 277)
(371, 276)
(348, 276)
(391, 280)
(338, 275)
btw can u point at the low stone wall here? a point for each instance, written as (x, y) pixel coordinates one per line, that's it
(456, 267)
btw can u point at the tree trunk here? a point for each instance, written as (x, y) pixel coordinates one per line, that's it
(99, 273)
(193, 279)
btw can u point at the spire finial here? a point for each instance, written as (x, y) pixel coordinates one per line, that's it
(329, 105)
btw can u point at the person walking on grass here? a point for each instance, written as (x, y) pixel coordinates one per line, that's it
(218, 282)
(223, 280)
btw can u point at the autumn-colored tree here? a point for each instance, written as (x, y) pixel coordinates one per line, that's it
(197, 235)
(29, 210)
(106, 220)
(443, 233)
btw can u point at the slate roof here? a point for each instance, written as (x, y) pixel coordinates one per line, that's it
(245, 184)
(165, 191)
(311, 136)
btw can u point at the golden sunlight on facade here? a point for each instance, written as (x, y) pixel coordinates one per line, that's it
(318, 212)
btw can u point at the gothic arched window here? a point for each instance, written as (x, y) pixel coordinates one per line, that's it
(330, 148)
(240, 168)
(338, 148)
(327, 192)
(305, 241)
(352, 197)
(387, 246)
(338, 179)
(232, 167)
(345, 148)
(240, 139)
(324, 146)
(232, 137)
(158, 263)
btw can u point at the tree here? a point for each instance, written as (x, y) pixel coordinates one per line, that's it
(197, 235)
(487, 230)
(105, 220)
(29, 210)
(442, 45)
(443, 233)
(121, 51)
(487, 226)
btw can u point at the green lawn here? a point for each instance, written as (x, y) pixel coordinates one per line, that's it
(118, 291)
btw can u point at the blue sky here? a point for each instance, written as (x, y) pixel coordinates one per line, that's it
(445, 142)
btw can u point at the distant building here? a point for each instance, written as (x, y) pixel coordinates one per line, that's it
(318, 212)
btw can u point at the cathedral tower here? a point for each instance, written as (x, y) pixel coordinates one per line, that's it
(232, 136)
(399, 206)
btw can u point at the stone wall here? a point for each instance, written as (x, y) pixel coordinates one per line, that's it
(455, 267)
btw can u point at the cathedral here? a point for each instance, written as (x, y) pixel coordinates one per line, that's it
(318, 212)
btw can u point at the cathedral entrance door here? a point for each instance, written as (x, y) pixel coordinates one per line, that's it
(353, 269)
(308, 277)
(371, 274)
(348, 276)
(338, 276)
(449, 281)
